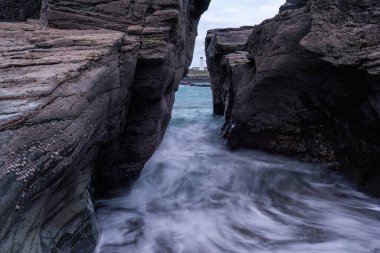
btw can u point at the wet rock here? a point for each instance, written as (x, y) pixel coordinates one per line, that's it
(305, 83)
(84, 103)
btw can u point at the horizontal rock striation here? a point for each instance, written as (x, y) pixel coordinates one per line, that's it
(84, 102)
(62, 95)
(305, 83)
(165, 32)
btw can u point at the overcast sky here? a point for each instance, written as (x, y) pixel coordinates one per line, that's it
(227, 13)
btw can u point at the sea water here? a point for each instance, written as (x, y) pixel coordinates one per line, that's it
(197, 196)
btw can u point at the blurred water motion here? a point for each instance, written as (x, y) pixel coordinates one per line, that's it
(196, 196)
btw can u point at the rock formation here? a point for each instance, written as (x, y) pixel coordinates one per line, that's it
(293, 4)
(19, 10)
(84, 102)
(305, 83)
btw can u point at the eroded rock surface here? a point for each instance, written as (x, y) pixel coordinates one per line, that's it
(305, 83)
(19, 10)
(165, 32)
(62, 95)
(89, 100)
(225, 48)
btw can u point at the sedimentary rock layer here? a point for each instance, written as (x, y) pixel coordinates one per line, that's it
(63, 93)
(82, 105)
(165, 32)
(305, 83)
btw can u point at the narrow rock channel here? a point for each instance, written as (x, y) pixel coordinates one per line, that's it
(195, 195)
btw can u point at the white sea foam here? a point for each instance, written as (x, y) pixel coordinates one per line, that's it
(196, 196)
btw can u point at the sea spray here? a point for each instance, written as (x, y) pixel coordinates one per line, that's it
(196, 196)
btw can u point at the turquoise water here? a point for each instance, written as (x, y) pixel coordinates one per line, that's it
(196, 196)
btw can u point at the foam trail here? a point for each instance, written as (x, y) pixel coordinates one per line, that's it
(196, 196)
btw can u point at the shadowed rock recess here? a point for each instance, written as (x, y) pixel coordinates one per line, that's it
(305, 83)
(19, 10)
(87, 97)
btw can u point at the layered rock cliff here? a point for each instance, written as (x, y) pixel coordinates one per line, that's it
(305, 83)
(84, 102)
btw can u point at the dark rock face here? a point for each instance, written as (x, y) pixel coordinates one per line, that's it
(19, 10)
(224, 47)
(293, 4)
(83, 105)
(305, 83)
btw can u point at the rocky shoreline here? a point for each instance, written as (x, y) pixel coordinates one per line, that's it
(306, 84)
(196, 81)
(85, 100)
(87, 89)
(196, 77)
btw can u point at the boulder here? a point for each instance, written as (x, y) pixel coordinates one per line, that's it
(309, 86)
